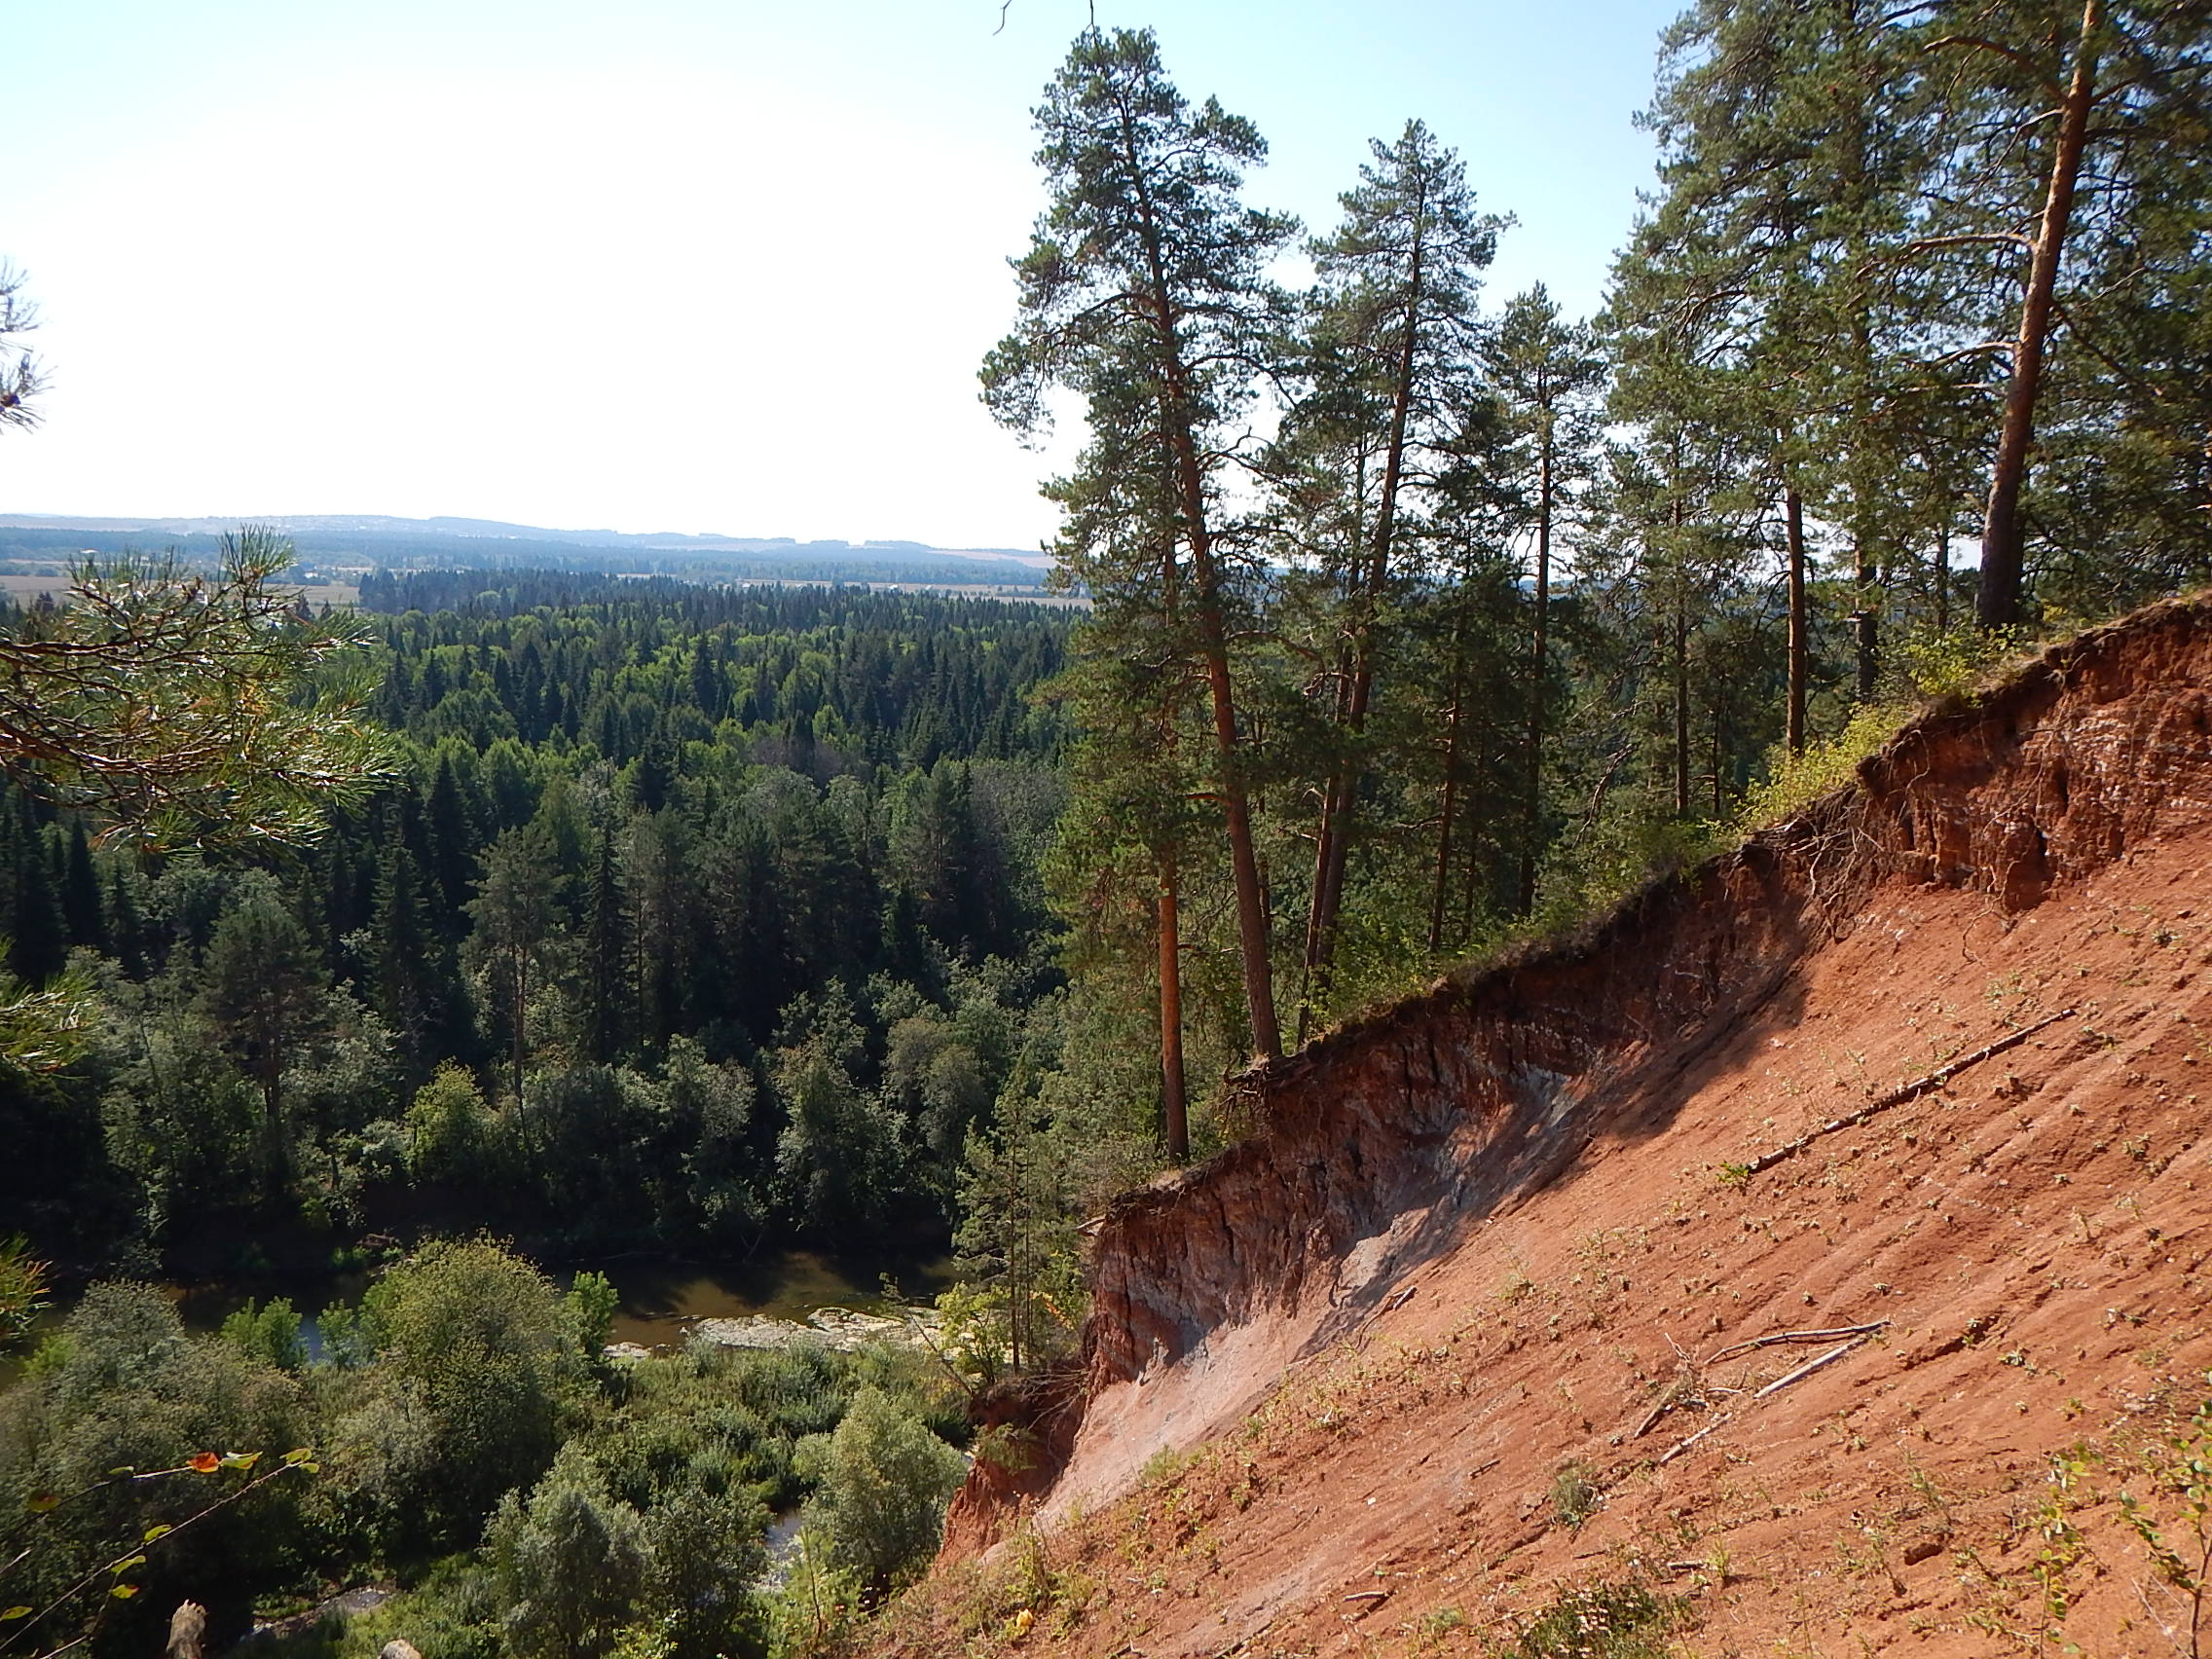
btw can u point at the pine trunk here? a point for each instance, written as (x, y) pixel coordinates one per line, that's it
(1681, 626)
(2004, 536)
(1538, 655)
(1372, 573)
(1174, 1119)
(1441, 897)
(1176, 420)
(1794, 518)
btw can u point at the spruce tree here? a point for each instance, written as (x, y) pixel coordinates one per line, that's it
(38, 938)
(126, 923)
(606, 967)
(80, 888)
(450, 841)
(406, 986)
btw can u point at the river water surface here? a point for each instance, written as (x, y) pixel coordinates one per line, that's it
(661, 1296)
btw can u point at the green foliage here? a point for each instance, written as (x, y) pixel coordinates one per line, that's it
(451, 1610)
(570, 1564)
(21, 375)
(449, 1128)
(883, 1481)
(627, 836)
(1795, 780)
(2171, 1513)
(1950, 664)
(114, 1469)
(45, 1028)
(1021, 1290)
(1574, 1496)
(262, 992)
(706, 1535)
(271, 1334)
(737, 899)
(172, 701)
(478, 1366)
(818, 1603)
(22, 1290)
(1599, 1622)
(1588, 877)
(592, 1302)
(842, 1156)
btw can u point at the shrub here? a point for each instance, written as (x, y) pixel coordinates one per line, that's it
(570, 1564)
(123, 1387)
(810, 1612)
(1574, 1497)
(1957, 662)
(1603, 1621)
(1795, 780)
(477, 1359)
(449, 1128)
(271, 1334)
(884, 1480)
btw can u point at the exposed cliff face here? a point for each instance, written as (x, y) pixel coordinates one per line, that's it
(1467, 1139)
(1377, 1146)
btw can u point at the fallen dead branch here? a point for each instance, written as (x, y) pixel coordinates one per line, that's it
(1808, 1368)
(1772, 1337)
(1681, 1446)
(1912, 1091)
(1680, 1390)
(1860, 1335)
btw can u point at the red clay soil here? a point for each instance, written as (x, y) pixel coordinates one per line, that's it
(1468, 1322)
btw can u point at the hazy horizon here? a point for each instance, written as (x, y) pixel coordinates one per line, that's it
(713, 265)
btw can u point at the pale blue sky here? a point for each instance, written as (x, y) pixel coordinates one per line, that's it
(671, 265)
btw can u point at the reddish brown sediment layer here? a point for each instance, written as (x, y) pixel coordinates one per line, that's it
(2044, 848)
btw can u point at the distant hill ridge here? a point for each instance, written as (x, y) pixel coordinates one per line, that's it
(381, 540)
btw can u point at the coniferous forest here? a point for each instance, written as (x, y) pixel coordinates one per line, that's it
(1414, 621)
(691, 916)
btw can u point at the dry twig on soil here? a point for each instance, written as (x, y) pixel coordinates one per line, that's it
(1772, 1337)
(1912, 1091)
(1808, 1368)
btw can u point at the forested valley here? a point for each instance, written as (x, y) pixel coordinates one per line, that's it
(1415, 624)
(693, 914)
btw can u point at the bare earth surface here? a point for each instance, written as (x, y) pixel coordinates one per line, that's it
(1479, 1391)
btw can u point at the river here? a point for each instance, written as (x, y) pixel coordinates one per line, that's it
(661, 1296)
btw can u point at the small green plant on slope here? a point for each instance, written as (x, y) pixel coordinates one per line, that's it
(1574, 1496)
(1598, 1621)
(2167, 1506)
(2179, 1545)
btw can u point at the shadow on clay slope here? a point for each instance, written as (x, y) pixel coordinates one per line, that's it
(1378, 1148)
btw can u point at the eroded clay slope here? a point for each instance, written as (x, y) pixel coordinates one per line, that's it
(1462, 1319)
